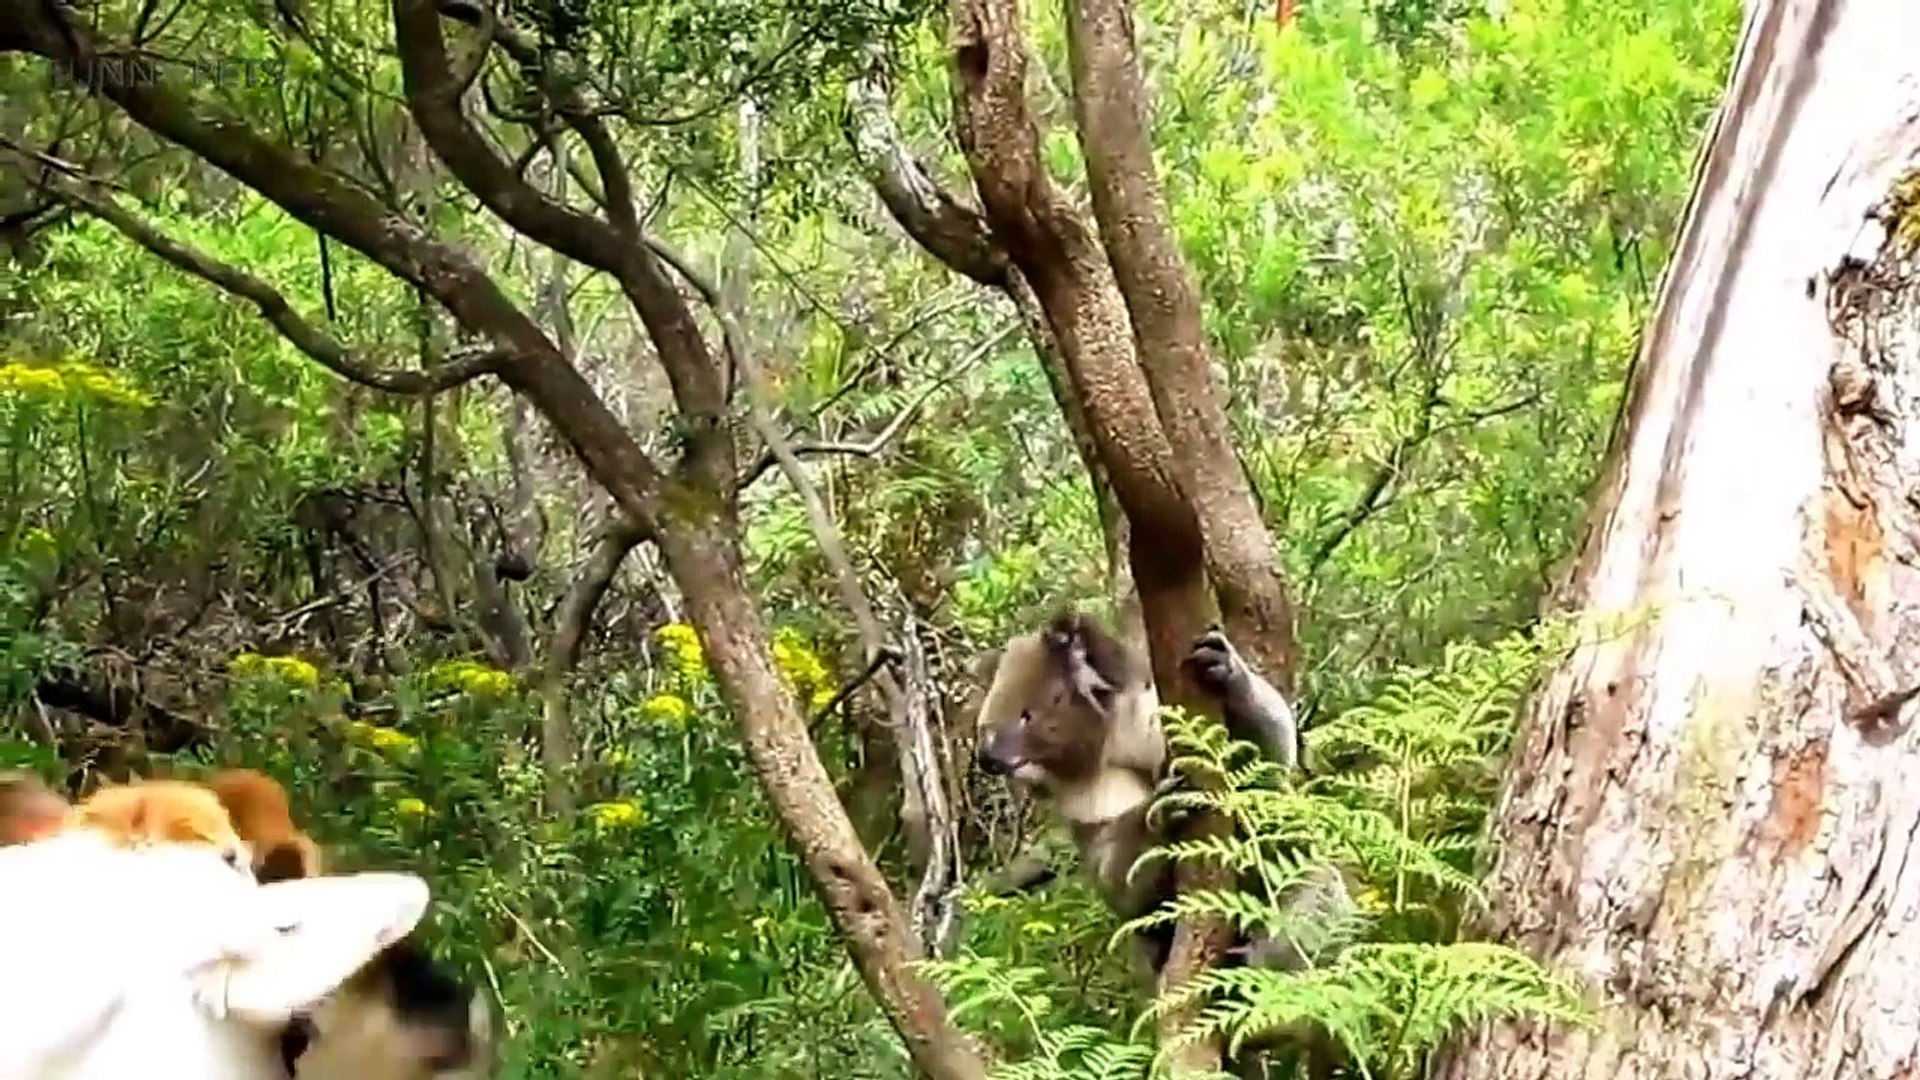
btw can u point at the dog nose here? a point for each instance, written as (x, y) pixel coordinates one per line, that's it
(989, 763)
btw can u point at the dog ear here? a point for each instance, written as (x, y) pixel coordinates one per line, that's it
(300, 939)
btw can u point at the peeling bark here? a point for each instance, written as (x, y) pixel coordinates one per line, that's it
(1710, 818)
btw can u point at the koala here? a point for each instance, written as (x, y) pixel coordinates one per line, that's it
(1072, 713)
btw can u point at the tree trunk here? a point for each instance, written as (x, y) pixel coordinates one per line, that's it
(1163, 305)
(705, 560)
(1711, 817)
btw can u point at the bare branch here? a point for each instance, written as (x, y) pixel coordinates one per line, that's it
(951, 231)
(880, 441)
(558, 746)
(616, 180)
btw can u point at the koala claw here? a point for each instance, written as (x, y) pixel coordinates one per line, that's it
(1211, 662)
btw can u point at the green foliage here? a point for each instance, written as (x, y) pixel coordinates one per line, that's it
(664, 928)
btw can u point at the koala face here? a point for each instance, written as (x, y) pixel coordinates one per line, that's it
(1050, 708)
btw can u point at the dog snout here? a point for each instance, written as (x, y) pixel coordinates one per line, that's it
(990, 761)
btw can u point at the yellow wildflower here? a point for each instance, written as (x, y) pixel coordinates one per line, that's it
(684, 651)
(30, 380)
(296, 671)
(1373, 900)
(669, 709)
(388, 740)
(1038, 928)
(798, 663)
(619, 814)
(473, 678)
(822, 697)
(73, 376)
(288, 669)
(411, 807)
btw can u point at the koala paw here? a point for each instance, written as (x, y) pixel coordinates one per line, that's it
(1212, 663)
(1169, 784)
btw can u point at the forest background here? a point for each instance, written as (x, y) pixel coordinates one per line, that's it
(1427, 234)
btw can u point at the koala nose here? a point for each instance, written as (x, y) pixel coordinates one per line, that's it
(988, 761)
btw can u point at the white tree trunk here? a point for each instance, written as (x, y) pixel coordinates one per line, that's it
(1703, 821)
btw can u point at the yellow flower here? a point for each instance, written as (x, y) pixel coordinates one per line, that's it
(30, 379)
(684, 651)
(619, 814)
(800, 668)
(1038, 928)
(473, 678)
(388, 740)
(288, 669)
(669, 709)
(73, 376)
(409, 806)
(1373, 900)
(296, 671)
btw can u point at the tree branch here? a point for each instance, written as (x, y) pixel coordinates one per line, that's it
(558, 746)
(951, 231)
(1163, 302)
(894, 427)
(616, 180)
(345, 212)
(321, 346)
(433, 97)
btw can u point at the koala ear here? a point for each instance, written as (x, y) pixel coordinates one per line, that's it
(1088, 682)
(985, 665)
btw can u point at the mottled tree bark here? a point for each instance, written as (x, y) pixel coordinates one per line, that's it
(1711, 817)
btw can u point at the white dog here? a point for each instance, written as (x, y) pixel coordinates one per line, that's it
(166, 960)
